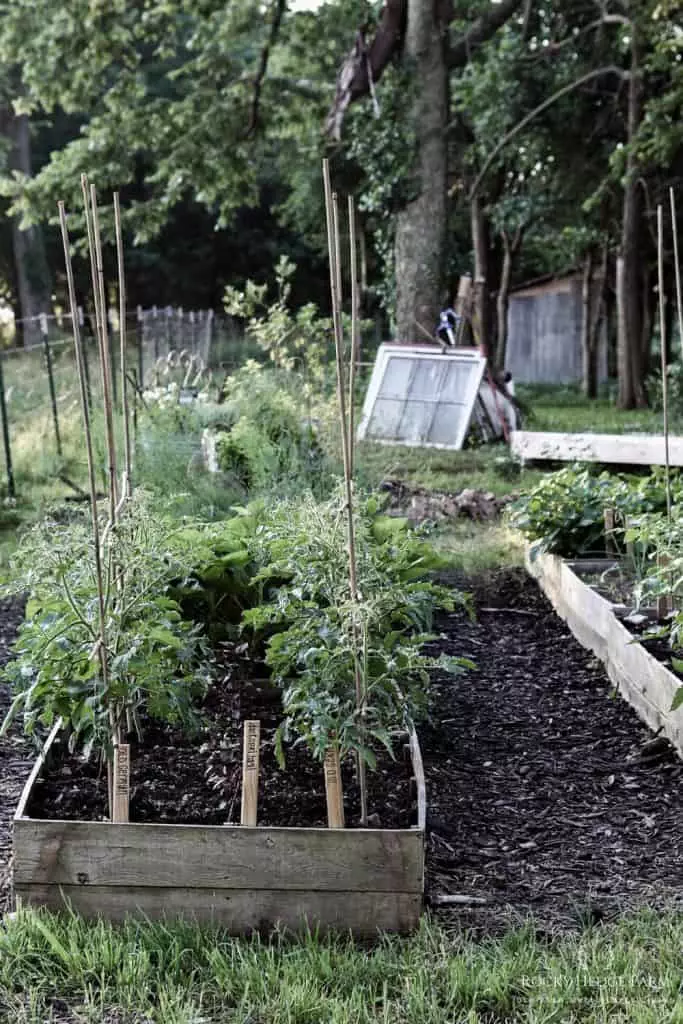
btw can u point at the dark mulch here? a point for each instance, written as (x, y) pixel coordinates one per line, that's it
(542, 797)
(16, 755)
(540, 793)
(197, 780)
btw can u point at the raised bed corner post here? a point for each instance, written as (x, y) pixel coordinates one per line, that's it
(334, 793)
(51, 380)
(334, 253)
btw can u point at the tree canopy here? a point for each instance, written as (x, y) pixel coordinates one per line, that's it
(512, 139)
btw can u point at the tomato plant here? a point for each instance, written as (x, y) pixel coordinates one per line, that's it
(315, 631)
(155, 656)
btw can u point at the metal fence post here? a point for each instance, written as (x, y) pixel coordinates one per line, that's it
(51, 380)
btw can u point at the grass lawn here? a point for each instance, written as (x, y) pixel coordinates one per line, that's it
(60, 969)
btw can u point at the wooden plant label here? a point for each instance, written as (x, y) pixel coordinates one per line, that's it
(250, 771)
(121, 801)
(333, 789)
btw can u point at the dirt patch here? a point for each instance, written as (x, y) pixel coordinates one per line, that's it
(420, 505)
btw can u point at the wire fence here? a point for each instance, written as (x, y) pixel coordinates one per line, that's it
(40, 378)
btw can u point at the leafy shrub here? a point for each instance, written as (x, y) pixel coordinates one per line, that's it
(246, 455)
(564, 513)
(155, 656)
(316, 635)
(272, 438)
(291, 340)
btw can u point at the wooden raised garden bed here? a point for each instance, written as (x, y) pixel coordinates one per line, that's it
(646, 683)
(242, 878)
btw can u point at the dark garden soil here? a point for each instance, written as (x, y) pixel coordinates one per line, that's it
(16, 755)
(543, 795)
(197, 780)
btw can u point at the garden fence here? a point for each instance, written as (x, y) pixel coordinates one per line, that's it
(40, 378)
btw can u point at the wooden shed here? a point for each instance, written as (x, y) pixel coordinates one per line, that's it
(544, 332)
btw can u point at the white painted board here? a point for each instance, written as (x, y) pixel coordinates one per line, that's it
(627, 449)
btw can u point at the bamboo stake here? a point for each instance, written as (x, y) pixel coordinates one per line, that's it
(102, 348)
(110, 396)
(662, 339)
(92, 482)
(250, 773)
(677, 268)
(332, 217)
(125, 407)
(354, 327)
(609, 524)
(665, 602)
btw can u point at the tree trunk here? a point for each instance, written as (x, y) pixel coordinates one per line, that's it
(629, 294)
(30, 260)
(421, 225)
(510, 249)
(480, 246)
(588, 352)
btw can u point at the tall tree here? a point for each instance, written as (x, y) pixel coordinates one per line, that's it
(419, 32)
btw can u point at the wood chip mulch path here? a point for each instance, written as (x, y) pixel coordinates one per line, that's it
(544, 794)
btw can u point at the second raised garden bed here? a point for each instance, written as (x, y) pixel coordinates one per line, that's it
(646, 683)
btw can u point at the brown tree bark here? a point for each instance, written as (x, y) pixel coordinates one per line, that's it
(480, 246)
(511, 247)
(588, 336)
(418, 29)
(421, 224)
(629, 295)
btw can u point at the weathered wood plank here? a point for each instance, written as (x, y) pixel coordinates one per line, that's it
(239, 911)
(643, 681)
(419, 773)
(251, 756)
(627, 449)
(227, 857)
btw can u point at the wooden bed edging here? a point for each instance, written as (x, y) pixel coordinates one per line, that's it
(626, 449)
(245, 879)
(647, 684)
